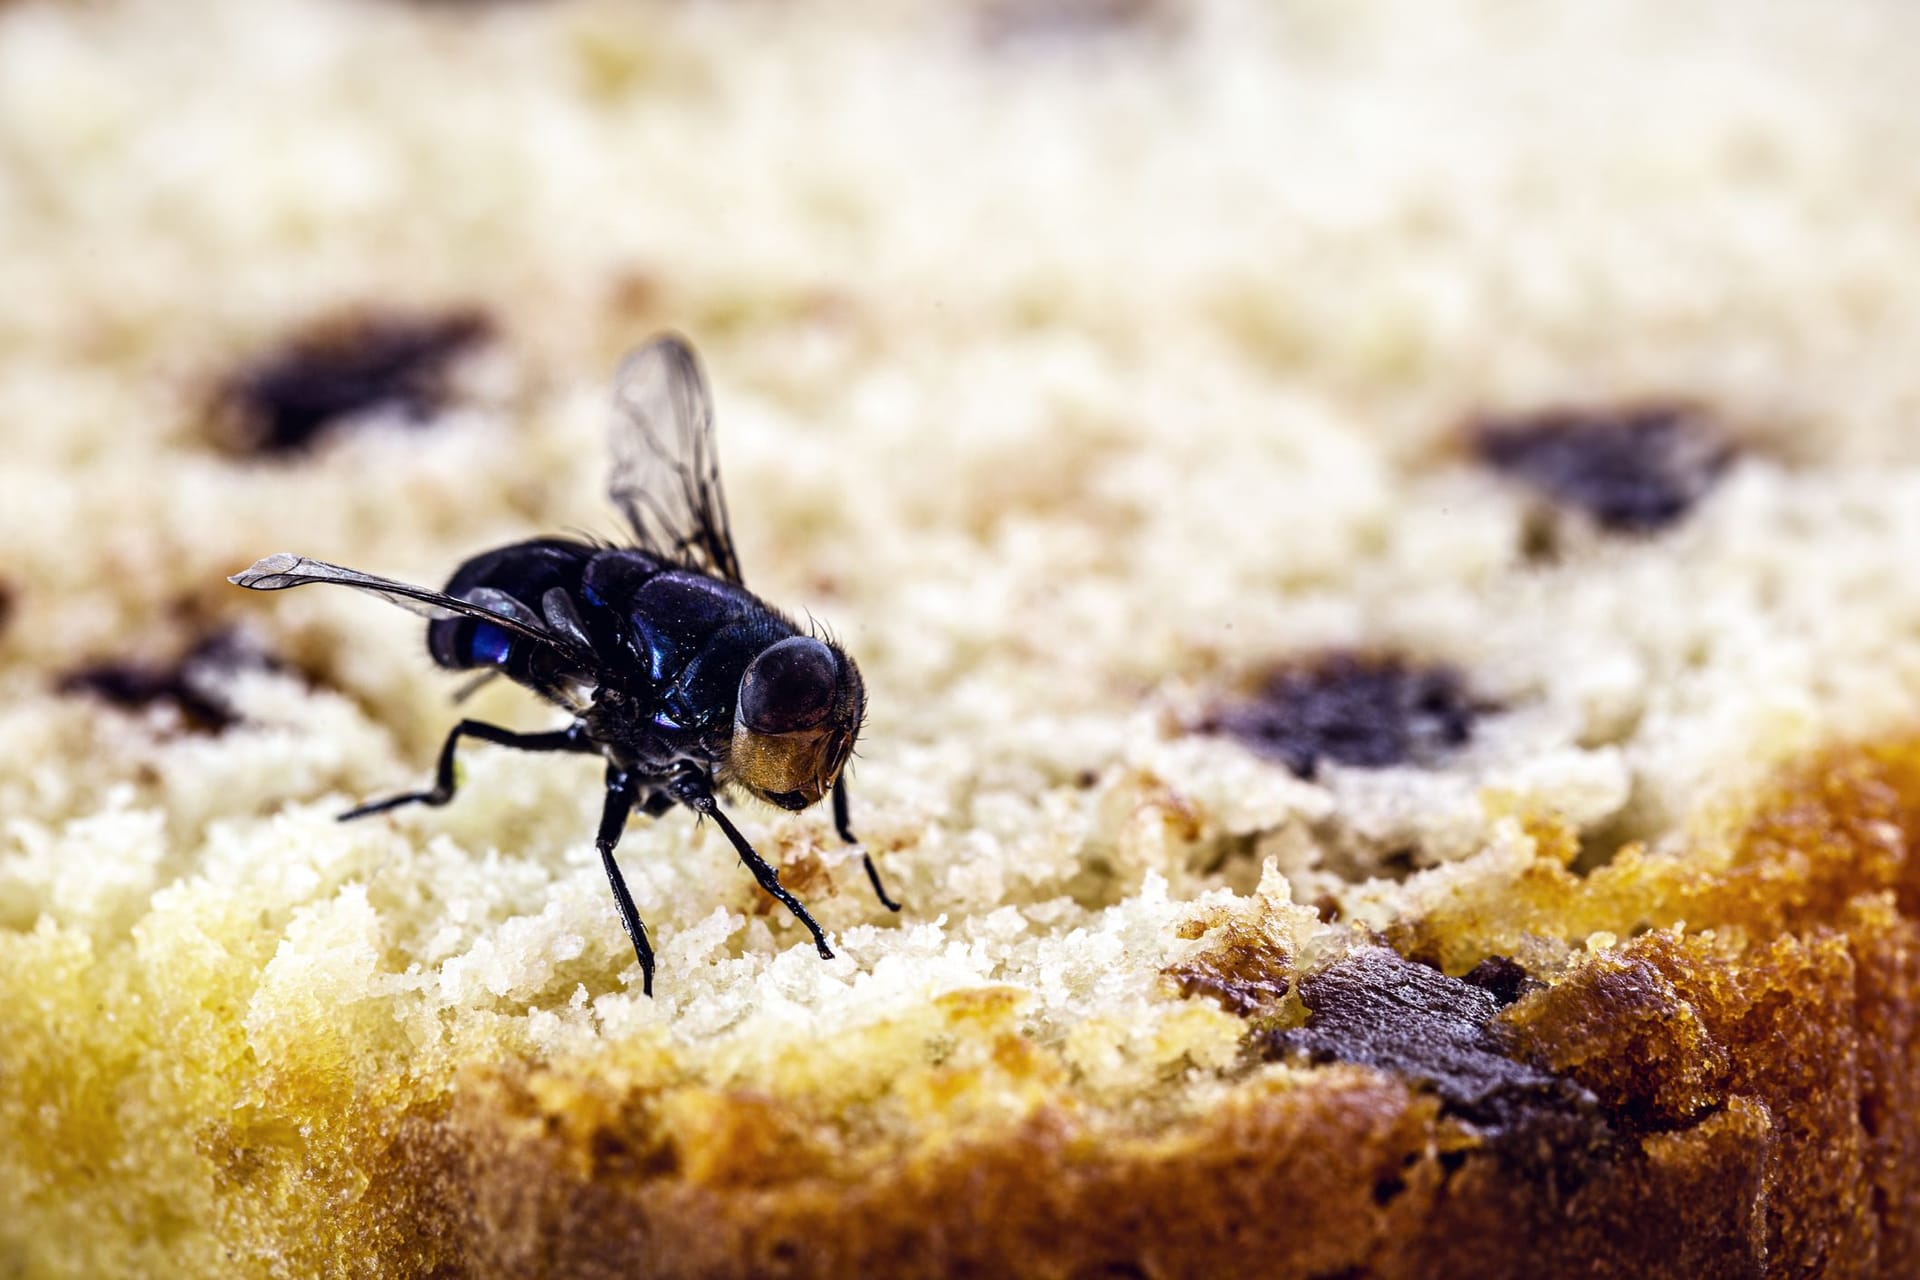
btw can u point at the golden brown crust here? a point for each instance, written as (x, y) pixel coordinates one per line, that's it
(1757, 1116)
(1888, 976)
(1341, 1178)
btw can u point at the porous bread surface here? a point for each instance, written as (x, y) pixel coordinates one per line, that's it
(1076, 363)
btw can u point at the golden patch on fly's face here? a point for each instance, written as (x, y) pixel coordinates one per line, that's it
(792, 770)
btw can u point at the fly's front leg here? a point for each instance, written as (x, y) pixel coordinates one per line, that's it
(623, 789)
(694, 791)
(572, 738)
(844, 825)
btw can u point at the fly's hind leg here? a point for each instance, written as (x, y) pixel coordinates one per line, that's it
(572, 738)
(844, 825)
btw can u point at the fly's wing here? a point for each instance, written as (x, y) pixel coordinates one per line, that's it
(278, 572)
(666, 472)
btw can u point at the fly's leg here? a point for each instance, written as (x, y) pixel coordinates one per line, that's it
(623, 789)
(844, 825)
(696, 792)
(572, 738)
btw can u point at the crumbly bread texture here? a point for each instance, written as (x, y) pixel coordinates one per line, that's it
(1346, 828)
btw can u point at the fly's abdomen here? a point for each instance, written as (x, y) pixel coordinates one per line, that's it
(460, 644)
(525, 572)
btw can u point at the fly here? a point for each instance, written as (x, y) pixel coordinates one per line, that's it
(673, 672)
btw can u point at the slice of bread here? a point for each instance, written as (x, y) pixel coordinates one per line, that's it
(1379, 542)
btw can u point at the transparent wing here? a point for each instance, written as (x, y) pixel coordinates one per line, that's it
(666, 473)
(283, 570)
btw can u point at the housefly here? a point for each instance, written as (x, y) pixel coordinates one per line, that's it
(673, 672)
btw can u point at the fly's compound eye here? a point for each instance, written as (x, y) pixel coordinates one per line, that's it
(789, 687)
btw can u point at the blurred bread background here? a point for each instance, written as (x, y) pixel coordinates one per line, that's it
(1081, 363)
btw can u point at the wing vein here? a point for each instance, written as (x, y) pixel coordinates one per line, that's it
(666, 475)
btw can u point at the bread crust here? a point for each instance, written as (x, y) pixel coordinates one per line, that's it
(1340, 1177)
(1755, 1115)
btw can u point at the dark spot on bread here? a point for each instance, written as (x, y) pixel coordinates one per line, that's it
(1244, 971)
(190, 684)
(1353, 709)
(1012, 24)
(1113, 1271)
(1636, 469)
(8, 600)
(344, 365)
(1375, 1008)
(637, 296)
(1398, 864)
(1502, 978)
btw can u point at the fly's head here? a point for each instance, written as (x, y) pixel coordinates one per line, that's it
(800, 706)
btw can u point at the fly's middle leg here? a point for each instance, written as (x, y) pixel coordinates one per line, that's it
(572, 738)
(623, 792)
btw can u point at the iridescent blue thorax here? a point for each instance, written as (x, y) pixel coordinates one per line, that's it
(672, 643)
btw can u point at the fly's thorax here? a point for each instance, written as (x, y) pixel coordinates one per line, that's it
(798, 711)
(675, 629)
(624, 727)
